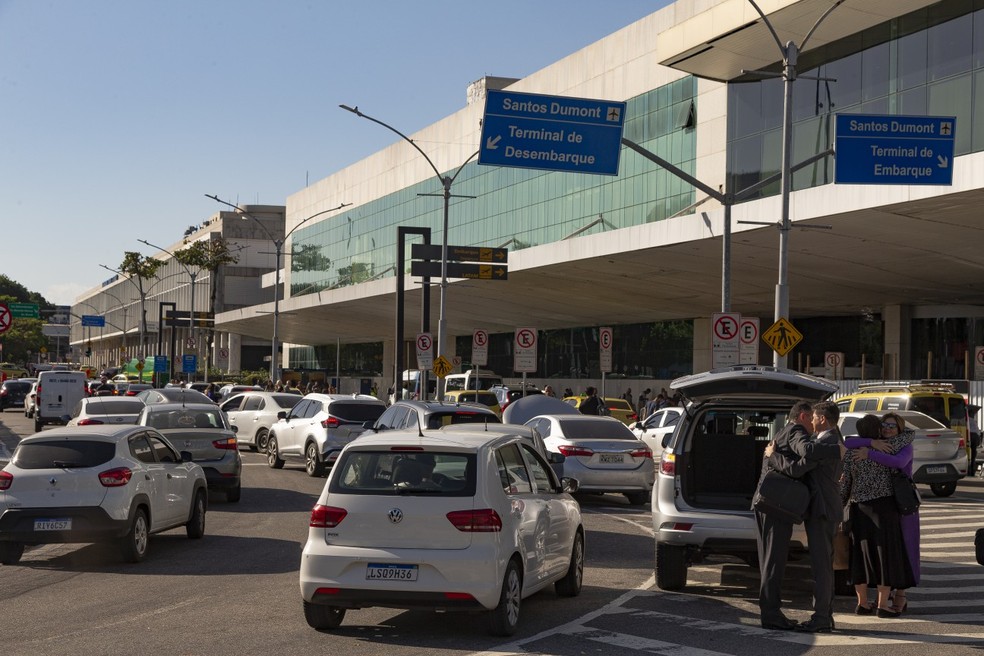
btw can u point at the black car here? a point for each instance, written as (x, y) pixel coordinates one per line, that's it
(13, 392)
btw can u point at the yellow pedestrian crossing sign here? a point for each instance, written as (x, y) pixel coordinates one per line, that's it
(442, 367)
(782, 336)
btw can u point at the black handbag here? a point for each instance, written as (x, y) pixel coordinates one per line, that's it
(782, 497)
(906, 495)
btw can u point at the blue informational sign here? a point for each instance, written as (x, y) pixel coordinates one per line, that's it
(94, 321)
(189, 363)
(894, 149)
(555, 133)
(160, 364)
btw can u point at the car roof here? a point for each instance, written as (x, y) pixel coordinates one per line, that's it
(431, 406)
(171, 407)
(522, 410)
(102, 432)
(320, 396)
(433, 439)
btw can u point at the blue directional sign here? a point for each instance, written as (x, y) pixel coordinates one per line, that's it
(894, 149)
(96, 321)
(189, 363)
(160, 364)
(555, 133)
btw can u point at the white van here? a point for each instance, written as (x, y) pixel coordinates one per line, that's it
(473, 379)
(57, 394)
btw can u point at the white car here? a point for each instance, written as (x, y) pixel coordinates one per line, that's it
(94, 410)
(657, 427)
(98, 484)
(939, 455)
(445, 520)
(253, 413)
(30, 401)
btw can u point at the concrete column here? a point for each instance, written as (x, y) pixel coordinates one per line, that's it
(702, 344)
(898, 342)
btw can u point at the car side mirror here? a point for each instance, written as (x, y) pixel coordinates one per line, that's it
(282, 414)
(555, 458)
(186, 456)
(666, 440)
(569, 485)
(235, 429)
(368, 424)
(638, 425)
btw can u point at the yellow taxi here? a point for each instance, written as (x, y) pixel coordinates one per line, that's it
(8, 370)
(618, 408)
(941, 401)
(478, 397)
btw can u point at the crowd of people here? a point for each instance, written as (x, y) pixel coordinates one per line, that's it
(851, 489)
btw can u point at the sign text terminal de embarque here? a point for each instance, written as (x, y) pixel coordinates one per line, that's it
(874, 149)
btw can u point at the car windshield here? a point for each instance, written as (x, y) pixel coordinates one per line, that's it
(286, 401)
(439, 419)
(356, 413)
(395, 473)
(185, 418)
(596, 429)
(63, 454)
(114, 407)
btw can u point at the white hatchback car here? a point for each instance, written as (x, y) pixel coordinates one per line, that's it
(96, 484)
(94, 410)
(657, 427)
(253, 413)
(445, 520)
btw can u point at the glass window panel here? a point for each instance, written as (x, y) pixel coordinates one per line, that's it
(845, 89)
(978, 131)
(949, 47)
(913, 102)
(912, 60)
(745, 109)
(979, 39)
(953, 98)
(875, 71)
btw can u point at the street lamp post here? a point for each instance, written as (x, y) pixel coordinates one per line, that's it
(278, 245)
(194, 276)
(446, 182)
(143, 310)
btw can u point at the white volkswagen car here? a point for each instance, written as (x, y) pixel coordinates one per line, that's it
(442, 520)
(98, 484)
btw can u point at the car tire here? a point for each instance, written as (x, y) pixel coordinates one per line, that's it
(504, 618)
(570, 585)
(195, 528)
(637, 498)
(234, 494)
(261, 438)
(11, 552)
(134, 544)
(323, 618)
(671, 567)
(313, 465)
(943, 489)
(273, 456)
(37, 424)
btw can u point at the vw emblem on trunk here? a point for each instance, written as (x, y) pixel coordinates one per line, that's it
(395, 515)
(53, 481)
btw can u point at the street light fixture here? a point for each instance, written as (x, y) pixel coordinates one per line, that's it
(143, 309)
(194, 276)
(446, 182)
(278, 245)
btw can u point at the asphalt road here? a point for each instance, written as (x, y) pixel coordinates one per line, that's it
(236, 592)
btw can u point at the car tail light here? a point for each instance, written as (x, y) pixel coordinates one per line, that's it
(115, 477)
(641, 453)
(327, 591)
(228, 443)
(326, 516)
(476, 521)
(569, 450)
(6, 478)
(458, 596)
(129, 393)
(331, 422)
(90, 422)
(667, 464)
(3, 392)
(633, 417)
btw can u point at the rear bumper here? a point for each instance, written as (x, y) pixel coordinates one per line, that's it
(921, 475)
(90, 524)
(219, 481)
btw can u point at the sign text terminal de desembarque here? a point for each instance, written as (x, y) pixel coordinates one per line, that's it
(554, 133)
(873, 149)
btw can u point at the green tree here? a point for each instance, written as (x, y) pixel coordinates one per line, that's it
(24, 335)
(139, 267)
(208, 255)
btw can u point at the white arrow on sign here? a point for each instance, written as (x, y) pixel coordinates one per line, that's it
(944, 161)
(492, 143)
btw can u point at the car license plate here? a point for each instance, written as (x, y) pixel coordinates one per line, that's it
(387, 572)
(52, 524)
(938, 469)
(612, 457)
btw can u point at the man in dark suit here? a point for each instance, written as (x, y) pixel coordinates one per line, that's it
(817, 460)
(773, 533)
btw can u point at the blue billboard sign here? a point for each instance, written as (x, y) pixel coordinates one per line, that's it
(554, 133)
(93, 320)
(908, 150)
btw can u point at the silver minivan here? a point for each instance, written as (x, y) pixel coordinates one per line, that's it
(707, 474)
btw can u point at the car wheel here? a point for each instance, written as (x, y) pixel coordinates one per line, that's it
(570, 585)
(11, 552)
(134, 544)
(323, 617)
(312, 460)
(637, 498)
(37, 424)
(671, 567)
(273, 456)
(943, 489)
(234, 494)
(504, 618)
(196, 523)
(261, 439)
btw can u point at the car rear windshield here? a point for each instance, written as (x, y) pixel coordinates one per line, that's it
(63, 454)
(114, 407)
(438, 419)
(600, 429)
(356, 412)
(395, 473)
(286, 401)
(17, 387)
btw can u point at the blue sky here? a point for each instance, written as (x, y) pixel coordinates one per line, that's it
(117, 116)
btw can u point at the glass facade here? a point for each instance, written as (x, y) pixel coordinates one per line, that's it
(514, 208)
(929, 62)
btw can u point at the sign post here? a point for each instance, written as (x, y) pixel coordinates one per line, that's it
(907, 150)
(748, 335)
(724, 339)
(480, 349)
(833, 365)
(425, 351)
(782, 336)
(605, 354)
(554, 133)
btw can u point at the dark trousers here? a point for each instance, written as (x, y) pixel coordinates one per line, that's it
(773, 538)
(820, 533)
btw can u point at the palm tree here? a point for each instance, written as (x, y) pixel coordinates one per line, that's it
(208, 255)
